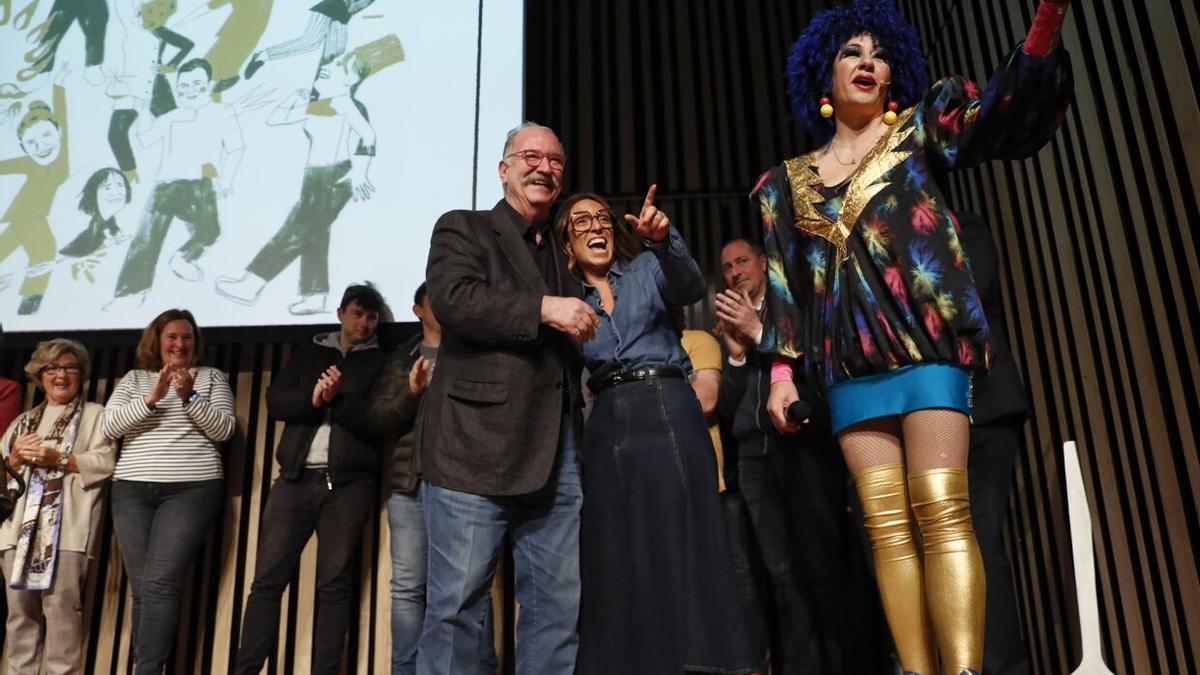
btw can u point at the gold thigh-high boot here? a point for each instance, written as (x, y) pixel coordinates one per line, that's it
(954, 581)
(884, 496)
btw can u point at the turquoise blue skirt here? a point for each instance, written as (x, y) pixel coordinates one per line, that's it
(917, 387)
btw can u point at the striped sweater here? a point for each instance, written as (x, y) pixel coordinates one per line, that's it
(171, 443)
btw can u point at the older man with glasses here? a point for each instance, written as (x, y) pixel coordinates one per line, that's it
(499, 428)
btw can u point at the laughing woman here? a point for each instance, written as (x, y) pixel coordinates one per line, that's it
(656, 570)
(168, 483)
(54, 529)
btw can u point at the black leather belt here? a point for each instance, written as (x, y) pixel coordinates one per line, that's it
(598, 385)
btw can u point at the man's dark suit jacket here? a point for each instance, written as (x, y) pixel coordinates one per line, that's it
(489, 422)
(1000, 393)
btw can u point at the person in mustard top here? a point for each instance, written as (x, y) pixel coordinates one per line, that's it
(704, 352)
(43, 135)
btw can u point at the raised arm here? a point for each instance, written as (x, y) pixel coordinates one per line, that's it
(1018, 111)
(60, 111)
(678, 276)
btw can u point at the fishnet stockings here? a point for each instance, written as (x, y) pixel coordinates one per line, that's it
(921, 440)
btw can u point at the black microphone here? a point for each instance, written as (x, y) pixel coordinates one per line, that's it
(799, 411)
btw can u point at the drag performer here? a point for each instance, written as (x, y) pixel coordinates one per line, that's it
(871, 296)
(655, 565)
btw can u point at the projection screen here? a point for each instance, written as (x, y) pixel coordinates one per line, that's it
(245, 159)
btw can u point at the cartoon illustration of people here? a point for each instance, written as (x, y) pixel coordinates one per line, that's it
(201, 150)
(341, 146)
(236, 38)
(92, 17)
(328, 29)
(142, 77)
(155, 14)
(43, 135)
(105, 194)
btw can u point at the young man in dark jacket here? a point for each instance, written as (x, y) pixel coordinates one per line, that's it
(328, 459)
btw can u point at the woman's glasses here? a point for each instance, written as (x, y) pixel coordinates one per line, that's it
(581, 221)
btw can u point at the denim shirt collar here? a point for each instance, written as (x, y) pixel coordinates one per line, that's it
(616, 269)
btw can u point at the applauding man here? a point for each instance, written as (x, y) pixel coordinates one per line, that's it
(328, 463)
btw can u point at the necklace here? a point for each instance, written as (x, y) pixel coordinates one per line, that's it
(853, 160)
(838, 157)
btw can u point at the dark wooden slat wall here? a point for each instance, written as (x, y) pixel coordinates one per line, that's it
(1096, 238)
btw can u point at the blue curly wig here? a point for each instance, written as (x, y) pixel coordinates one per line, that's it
(810, 60)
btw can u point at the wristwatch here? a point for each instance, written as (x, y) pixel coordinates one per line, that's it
(191, 397)
(63, 460)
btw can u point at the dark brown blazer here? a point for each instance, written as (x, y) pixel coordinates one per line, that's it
(489, 422)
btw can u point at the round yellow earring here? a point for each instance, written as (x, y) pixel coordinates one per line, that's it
(889, 117)
(826, 108)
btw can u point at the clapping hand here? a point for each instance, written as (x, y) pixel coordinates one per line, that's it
(162, 384)
(651, 223)
(419, 374)
(736, 311)
(734, 343)
(327, 386)
(184, 379)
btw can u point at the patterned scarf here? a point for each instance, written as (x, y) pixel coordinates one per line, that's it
(37, 541)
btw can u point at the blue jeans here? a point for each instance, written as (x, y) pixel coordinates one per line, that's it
(410, 554)
(406, 522)
(465, 535)
(161, 528)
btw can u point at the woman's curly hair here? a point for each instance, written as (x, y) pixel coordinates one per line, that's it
(810, 60)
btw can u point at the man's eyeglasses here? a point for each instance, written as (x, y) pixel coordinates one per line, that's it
(71, 369)
(581, 221)
(533, 159)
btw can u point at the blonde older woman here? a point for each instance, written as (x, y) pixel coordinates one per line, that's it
(65, 459)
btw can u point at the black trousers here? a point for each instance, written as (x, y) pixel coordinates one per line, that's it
(296, 509)
(798, 504)
(994, 450)
(747, 579)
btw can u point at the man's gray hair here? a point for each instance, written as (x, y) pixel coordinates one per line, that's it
(512, 135)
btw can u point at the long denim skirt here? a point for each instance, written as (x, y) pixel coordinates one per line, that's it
(657, 571)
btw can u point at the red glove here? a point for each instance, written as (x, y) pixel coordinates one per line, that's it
(1047, 24)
